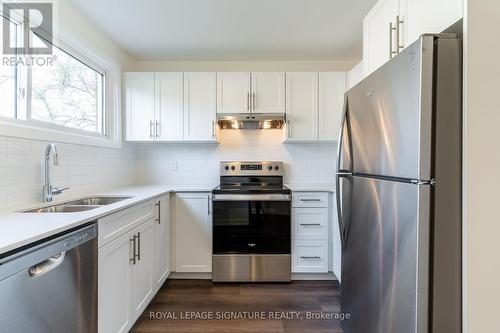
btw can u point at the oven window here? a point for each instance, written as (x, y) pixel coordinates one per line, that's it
(251, 227)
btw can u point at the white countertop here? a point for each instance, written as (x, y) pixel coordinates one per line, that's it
(314, 187)
(19, 229)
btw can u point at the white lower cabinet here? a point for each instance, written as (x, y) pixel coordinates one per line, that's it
(310, 230)
(114, 286)
(310, 256)
(162, 237)
(310, 223)
(125, 278)
(130, 262)
(193, 232)
(143, 269)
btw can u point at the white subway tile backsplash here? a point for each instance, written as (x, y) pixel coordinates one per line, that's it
(84, 169)
(199, 163)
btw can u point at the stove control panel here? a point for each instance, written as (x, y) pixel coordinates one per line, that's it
(265, 168)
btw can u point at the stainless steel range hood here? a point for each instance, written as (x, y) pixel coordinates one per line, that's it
(251, 120)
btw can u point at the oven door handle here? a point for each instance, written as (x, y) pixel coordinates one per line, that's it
(252, 197)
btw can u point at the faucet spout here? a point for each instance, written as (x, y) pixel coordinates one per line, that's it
(48, 190)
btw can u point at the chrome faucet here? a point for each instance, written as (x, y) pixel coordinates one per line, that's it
(48, 190)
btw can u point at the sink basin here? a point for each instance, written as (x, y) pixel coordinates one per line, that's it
(79, 205)
(62, 208)
(96, 201)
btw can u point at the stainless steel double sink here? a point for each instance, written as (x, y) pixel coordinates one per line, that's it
(79, 205)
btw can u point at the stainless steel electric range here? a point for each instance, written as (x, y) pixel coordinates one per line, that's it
(251, 224)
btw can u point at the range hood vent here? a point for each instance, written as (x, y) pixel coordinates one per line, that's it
(251, 121)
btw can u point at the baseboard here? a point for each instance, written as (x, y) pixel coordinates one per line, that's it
(295, 276)
(314, 276)
(191, 276)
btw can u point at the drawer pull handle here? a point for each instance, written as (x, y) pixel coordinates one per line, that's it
(310, 224)
(310, 200)
(134, 249)
(313, 257)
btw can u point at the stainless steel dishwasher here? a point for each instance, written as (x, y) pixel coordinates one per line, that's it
(51, 286)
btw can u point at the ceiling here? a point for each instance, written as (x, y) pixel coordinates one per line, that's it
(232, 30)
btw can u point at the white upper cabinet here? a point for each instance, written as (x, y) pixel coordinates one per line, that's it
(377, 36)
(233, 92)
(169, 106)
(268, 92)
(392, 25)
(332, 86)
(428, 16)
(301, 106)
(199, 106)
(139, 106)
(259, 92)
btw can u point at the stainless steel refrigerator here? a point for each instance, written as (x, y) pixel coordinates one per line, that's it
(399, 193)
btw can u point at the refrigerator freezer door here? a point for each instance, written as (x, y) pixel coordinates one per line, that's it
(390, 116)
(385, 257)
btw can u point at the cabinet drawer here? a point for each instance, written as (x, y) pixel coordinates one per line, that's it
(310, 199)
(310, 223)
(310, 256)
(115, 225)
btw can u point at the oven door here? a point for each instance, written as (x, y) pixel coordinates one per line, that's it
(252, 224)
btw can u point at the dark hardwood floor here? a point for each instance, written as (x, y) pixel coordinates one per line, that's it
(179, 299)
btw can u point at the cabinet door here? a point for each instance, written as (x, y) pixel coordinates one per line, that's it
(233, 92)
(376, 34)
(268, 89)
(114, 279)
(310, 256)
(332, 86)
(428, 16)
(140, 106)
(336, 243)
(162, 241)
(310, 223)
(302, 106)
(169, 119)
(143, 270)
(193, 232)
(199, 106)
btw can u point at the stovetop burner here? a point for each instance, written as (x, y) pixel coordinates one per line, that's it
(251, 178)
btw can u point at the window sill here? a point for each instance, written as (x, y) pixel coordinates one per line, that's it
(26, 131)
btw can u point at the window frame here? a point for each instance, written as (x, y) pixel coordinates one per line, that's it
(25, 127)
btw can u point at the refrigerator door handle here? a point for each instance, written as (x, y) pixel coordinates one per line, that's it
(341, 173)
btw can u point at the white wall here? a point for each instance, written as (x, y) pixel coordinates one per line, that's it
(355, 75)
(199, 163)
(69, 21)
(220, 66)
(85, 169)
(481, 167)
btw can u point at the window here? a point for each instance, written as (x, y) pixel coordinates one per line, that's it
(65, 92)
(7, 80)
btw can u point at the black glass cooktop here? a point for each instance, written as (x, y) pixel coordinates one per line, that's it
(251, 185)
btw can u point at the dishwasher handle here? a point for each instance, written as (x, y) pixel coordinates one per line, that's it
(47, 265)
